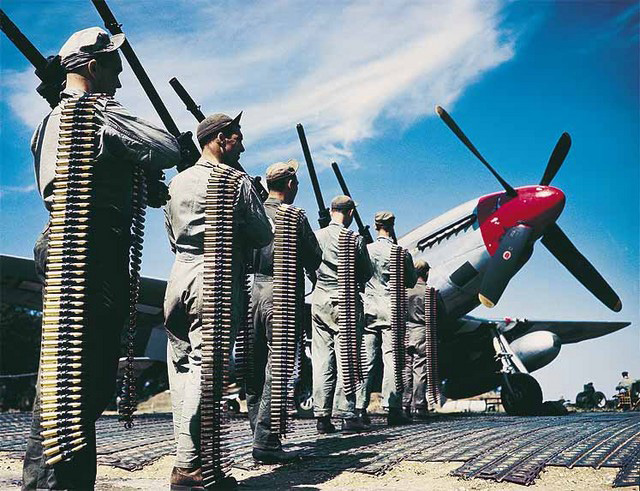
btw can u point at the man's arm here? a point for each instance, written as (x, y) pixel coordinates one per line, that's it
(167, 225)
(410, 274)
(364, 269)
(256, 228)
(311, 252)
(131, 138)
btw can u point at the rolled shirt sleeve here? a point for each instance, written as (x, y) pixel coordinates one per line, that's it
(253, 221)
(364, 268)
(410, 274)
(311, 252)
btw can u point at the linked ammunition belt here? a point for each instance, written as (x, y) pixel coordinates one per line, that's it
(431, 347)
(349, 352)
(398, 313)
(139, 204)
(217, 319)
(286, 313)
(64, 316)
(244, 337)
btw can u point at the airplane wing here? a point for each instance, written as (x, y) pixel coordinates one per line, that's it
(568, 331)
(20, 286)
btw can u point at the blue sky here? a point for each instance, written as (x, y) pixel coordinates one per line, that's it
(363, 78)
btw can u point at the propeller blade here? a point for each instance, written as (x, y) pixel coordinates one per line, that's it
(514, 250)
(557, 157)
(564, 251)
(444, 115)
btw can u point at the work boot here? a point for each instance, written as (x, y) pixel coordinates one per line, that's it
(397, 417)
(352, 425)
(185, 479)
(325, 425)
(224, 484)
(421, 413)
(364, 417)
(273, 456)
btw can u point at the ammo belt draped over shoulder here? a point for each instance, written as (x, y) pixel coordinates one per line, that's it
(287, 312)
(217, 318)
(71, 258)
(349, 352)
(431, 347)
(398, 313)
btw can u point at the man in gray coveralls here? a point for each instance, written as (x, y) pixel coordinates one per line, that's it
(92, 64)
(415, 392)
(283, 187)
(326, 334)
(377, 334)
(221, 141)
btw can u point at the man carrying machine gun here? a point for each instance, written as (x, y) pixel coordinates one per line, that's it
(277, 303)
(380, 307)
(93, 162)
(214, 220)
(336, 312)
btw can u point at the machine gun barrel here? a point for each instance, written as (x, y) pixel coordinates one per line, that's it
(47, 70)
(21, 42)
(185, 139)
(362, 228)
(194, 109)
(323, 211)
(184, 96)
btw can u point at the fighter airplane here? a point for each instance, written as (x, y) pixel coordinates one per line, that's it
(474, 250)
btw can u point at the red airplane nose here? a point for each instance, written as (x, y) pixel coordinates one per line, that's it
(547, 204)
(534, 206)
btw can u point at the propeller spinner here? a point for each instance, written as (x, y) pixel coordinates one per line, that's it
(527, 219)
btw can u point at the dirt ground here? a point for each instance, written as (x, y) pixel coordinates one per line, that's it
(406, 476)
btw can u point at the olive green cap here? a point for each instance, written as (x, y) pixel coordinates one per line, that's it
(384, 218)
(280, 170)
(342, 203)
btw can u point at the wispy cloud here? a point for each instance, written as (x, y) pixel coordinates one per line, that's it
(17, 189)
(347, 71)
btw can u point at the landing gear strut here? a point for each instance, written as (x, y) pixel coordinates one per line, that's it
(520, 393)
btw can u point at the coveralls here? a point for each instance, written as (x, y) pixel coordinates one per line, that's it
(124, 141)
(184, 219)
(415, 392)
(377, 333)
(259, 387)
(327, 374)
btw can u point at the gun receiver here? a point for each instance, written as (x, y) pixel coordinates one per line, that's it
(48, 70)
(323, 211)
(194, 109)
(188, 147)
(363, 229)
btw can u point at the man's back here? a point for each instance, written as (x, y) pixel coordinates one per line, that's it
(125, 141)
(377, 297)
(185, 212)
(328, 270)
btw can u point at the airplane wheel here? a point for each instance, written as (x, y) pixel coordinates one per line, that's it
(600, 400)
(522, 396)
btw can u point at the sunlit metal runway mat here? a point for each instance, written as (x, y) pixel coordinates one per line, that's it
(496, 447)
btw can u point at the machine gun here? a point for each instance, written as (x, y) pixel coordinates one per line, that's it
(188, 148)
(363, 229)
(194, 109)
(48, 70)
(323, 212)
